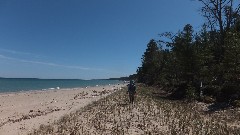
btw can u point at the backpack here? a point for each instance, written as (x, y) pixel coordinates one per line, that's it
(132, 88)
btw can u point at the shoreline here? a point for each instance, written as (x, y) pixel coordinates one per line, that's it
(23, 111)
(56, 88)
(19, 85)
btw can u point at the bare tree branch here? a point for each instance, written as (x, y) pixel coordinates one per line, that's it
(238, 8)
(220, 10)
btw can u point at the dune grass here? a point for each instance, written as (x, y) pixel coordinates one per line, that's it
(149, 114)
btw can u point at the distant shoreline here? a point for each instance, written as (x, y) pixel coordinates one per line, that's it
(120, 79)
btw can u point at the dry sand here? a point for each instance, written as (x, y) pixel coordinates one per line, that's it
(21, 112)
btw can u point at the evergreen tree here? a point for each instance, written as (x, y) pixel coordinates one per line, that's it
(147, 73)
(209, 61)
(231, 65)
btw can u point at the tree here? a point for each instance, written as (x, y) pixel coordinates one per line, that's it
(231, 66)
(185, 54)
(147, 72)
(232, 57)
(187, 62)
(180, 62)
(220, 13)
(221, 16)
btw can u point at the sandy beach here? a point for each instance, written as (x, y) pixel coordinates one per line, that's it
(22, 112)
(151, 114)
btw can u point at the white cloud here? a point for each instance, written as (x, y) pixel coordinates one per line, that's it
(49, 64)
(15, 52)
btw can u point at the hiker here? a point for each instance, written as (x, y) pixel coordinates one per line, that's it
(131, 91)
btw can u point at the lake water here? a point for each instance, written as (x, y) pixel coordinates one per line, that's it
(16, 85)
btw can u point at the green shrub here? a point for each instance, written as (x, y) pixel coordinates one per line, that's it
(236, 103)
(191, 92)
(230, 92)
(208, 99)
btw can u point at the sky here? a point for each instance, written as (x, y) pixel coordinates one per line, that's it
(85, 39)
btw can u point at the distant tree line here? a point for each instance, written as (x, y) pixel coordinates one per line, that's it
(194, 64)
(128, 78)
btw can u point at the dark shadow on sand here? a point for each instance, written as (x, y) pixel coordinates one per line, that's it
(218, 107)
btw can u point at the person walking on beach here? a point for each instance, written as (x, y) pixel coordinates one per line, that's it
(131, 91)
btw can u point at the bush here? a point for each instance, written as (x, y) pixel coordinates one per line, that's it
(179, 92)
(236, 103)
(208, 99)
(211, 90)
(191, 92)
(230, 92)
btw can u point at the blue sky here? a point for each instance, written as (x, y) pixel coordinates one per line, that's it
(85, 39)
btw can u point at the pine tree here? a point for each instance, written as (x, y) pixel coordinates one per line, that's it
(231, 66)
(147, 72)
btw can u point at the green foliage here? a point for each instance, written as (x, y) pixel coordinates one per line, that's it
(208, 99)
(191, 92)
(236, 103)
(193, 59)
(232, 57)
(148, 72)
(181, 62)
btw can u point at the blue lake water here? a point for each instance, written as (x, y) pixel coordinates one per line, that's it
(16, 85)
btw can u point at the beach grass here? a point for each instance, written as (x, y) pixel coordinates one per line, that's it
(149, 115)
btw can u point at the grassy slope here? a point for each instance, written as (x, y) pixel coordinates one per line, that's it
(149, 115)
